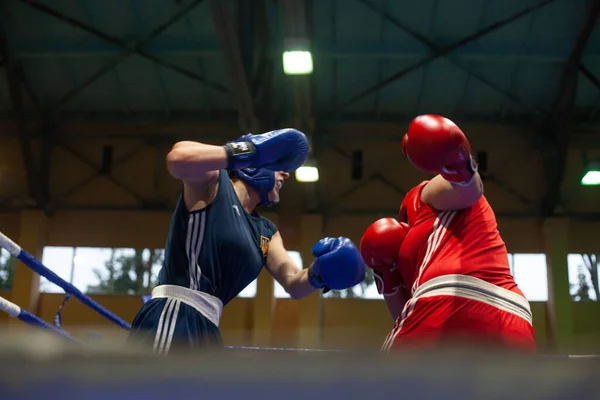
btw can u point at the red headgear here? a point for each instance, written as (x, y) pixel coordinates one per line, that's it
(408, 208)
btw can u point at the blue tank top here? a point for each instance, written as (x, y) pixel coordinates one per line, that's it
(218, 250)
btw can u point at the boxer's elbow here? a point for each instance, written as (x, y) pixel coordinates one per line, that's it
(176, 163)
(442, 195)
(470, 194)
(180, 157)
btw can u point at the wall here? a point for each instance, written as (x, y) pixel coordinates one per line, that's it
(139, 178)
(104, 210)
(147, 229)
(345, 323)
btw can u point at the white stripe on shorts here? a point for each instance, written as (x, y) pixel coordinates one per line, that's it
(166, 326)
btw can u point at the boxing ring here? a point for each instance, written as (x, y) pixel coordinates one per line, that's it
(50, 361)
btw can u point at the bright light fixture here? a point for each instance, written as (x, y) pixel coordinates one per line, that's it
(591, 178)
(307, 174)
(297, 62)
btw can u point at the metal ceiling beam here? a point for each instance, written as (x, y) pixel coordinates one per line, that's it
(582, 216)
(296, 23)
(129, 49)
(380, 176)
(339, 212)
(238, 73)
(98, 173)
(353, 130)
(328, 208)
(224, 117)
(183, 45)
(590, 76)
(595, 106)
(264, 61)
(91, 164)
(436, 49)
(245, 24)
(13, 73)
(556, 129)
(440, 51)
(46, 152)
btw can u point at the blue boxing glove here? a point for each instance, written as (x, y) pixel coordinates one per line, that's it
(279, 150)
(338, 264)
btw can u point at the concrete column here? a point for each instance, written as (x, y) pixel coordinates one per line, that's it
(556, 236)
(32, 238)
(309, 335)
(263, 311)
(263, 304)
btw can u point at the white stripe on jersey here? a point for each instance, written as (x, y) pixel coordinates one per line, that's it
(193, 245)
(440, 227)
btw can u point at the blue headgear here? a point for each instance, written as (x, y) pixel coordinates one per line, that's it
(260, 179)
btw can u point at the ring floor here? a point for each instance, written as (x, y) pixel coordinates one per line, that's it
(39, 365)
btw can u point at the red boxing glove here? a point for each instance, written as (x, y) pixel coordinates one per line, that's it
(379, 248)
(436, 145)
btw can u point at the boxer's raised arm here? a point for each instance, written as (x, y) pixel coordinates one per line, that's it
(196, 162)
(436, 145)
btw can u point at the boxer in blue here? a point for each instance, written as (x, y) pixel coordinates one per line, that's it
(218, 244)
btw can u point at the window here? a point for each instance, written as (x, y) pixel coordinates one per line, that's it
(131, 271)
(61, 261)
(103, 270)
(530, 273)
(279, 291)
(126, 271)
(249, 291)
(365, 290)
(7, 269)
(583, 276)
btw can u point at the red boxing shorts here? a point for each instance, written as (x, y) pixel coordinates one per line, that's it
(463, 310)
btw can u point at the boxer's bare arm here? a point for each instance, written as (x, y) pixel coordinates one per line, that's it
(443, 195)
(197, 165)
(196, 162)
(395, 303)
(289, 275)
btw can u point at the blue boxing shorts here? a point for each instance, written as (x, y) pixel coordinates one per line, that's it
(177, 318)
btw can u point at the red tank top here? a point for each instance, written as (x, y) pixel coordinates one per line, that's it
(463, 242)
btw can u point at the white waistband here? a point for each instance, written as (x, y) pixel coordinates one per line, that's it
(209, 306)
(476, 289)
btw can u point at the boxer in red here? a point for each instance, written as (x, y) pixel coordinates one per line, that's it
(450, 282)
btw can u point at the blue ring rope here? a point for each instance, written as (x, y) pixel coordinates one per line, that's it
(16, 251)
(15, 311)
